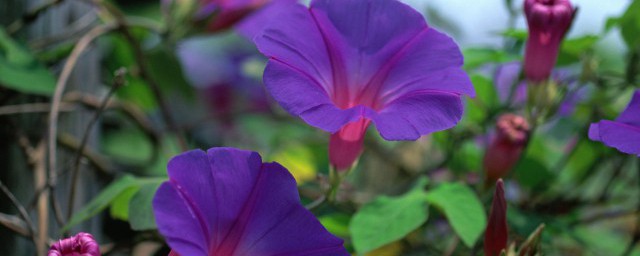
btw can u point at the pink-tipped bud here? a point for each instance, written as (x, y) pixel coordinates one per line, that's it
(497, 232)
(548, 21)
(512, 134)
(345, 146)
(81, 244)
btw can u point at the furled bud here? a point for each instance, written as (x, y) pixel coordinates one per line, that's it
(497, 232)
(512, 133)
(345, 146)
(548, 21)
(81, 244)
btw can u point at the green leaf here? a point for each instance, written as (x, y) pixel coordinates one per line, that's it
(120, 205)
(118, 53)
(336, 223)
(140, 207)
(462, 208)
(102, 200)
(167, 71)
(485, 91)
(129, 146)
(20, 71)
(611, 22)
(468, 158)
(630, 25)
(388, 219)
(476, 57)
(517, 34)
(532, 173)
(572, 49)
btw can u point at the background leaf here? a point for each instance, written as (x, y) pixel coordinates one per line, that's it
(462, 208)
(102, 200)
(20, 71)
(388, 219)
(140, 208)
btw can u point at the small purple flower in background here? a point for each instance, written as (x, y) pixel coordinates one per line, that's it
(496, 234)
(512, 134)
(230, 13)
(227, 202)
(513, 92)
(623, 133)
(548, 21)
(340, 65)
(246, 16)
(81, 244)
(217, 67)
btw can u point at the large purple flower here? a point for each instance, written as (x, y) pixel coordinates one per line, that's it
(623, 133)
(227, 202)
(341, 64)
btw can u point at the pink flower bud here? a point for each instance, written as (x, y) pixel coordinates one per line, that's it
(512, 133)
(345, 146)
(548, 21)
(81, 244)
(497, 232)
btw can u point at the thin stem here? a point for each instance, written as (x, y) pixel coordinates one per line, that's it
(15, 224)
(317, 203)
(123, 27)
(118, 81)
(61, 84)
(32, 108)
(21, 210)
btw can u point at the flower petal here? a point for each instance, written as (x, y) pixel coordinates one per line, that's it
(252, 25)
(411, 116)
(362, 36)
(234, 178)
(301, 96)
(505, 76)
(431, 61)
(227, 202)
(182, 204)
(631, 114)
(621, 136)
(294, 40)
(280, 225)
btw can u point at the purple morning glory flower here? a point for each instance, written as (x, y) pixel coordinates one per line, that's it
(340, 65)
(227, 202)
(623, 133)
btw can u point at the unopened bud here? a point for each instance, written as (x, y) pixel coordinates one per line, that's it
(512, 134)
(80, 244)
(548, 21)
(497, 231)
